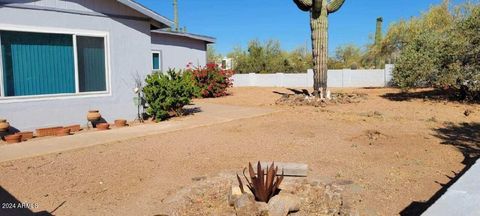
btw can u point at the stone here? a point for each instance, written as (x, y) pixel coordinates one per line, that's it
(233, 195)
(236, 193)
(468, 112)
(262, 208)
(283, 204)
(289, 169)
(199, 178)
(245, 205)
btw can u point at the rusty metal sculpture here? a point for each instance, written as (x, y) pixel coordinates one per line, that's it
(263, 185)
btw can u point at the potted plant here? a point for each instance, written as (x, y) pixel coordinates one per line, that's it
(120, 123)
(93, 115)
(26, 135)
(63, 132)
(50, 131)
(73, 128)
(14, 138)
(4, 125)
(103, 126)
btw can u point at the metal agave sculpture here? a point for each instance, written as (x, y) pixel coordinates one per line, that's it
(319, 11)
(263, 185)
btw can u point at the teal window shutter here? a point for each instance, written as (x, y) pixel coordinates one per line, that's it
(37, 63)
(156, 61)
(91, 64)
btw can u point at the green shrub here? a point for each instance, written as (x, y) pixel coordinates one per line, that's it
(167, 93)
(444, 56)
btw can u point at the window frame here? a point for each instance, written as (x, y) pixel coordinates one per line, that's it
(74, 33)
(160, 58)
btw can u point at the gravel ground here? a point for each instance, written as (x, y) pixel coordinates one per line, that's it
(386, 154)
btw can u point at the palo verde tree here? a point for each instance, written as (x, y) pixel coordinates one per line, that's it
(319, 11)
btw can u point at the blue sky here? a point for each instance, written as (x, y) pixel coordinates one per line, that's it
(235, 22)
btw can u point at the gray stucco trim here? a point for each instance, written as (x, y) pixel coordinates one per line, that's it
(160, 21)
(207, 39)
(147, 12)
(86, 13)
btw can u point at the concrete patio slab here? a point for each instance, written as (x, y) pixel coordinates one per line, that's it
(462, 198)
(209, 114)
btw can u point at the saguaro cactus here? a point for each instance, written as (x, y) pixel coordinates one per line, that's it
(378, 40)
(319, 11)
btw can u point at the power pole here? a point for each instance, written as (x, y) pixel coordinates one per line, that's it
(175, 14)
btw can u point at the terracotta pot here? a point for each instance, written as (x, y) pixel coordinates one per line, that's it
(120, 123)
(15, 138)
(63, 132)
(26, 135)
(103, 126)
(51, 131)
(73, 128)
(4, 125)
(93, 115)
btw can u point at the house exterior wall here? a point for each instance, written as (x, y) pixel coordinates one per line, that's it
(178, 51)
(129, 48)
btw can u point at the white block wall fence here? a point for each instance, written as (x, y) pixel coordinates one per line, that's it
(336, 78)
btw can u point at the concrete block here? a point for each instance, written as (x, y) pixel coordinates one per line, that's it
(461, 198)
(289, 169)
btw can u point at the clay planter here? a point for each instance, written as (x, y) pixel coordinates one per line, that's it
(4, 125)
(103, 126)
(120, 123)
(15, 138)
(73, 128)
(51, 131)
(63, 132)
(26, 135)
(93, 115)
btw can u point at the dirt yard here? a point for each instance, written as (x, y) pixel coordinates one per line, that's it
(388, 153)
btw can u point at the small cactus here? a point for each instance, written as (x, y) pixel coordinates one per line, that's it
(319, 11)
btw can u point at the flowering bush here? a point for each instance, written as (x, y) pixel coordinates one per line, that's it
(211, 80)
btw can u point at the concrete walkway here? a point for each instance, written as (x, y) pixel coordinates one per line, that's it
(209, 114)
(462, 198)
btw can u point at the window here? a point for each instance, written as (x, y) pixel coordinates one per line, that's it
(91, 64)
(156, 60)
(34, 64)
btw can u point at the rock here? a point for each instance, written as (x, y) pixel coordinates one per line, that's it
(467, 112)
(262, 208)
(282, 204)
(245, 205)
(236, 193)
(199, 178)
(233, 195)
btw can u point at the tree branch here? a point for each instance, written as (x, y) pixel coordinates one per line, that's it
(304, 5)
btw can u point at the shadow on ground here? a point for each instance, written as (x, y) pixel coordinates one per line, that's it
(431, 94)
(191, 111)
(294, 92)
(466, 138)
(10, 206)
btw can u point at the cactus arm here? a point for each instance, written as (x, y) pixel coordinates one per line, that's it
(304, 5)
(334, 5)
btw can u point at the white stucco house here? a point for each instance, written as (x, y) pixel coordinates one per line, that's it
(61, 58)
